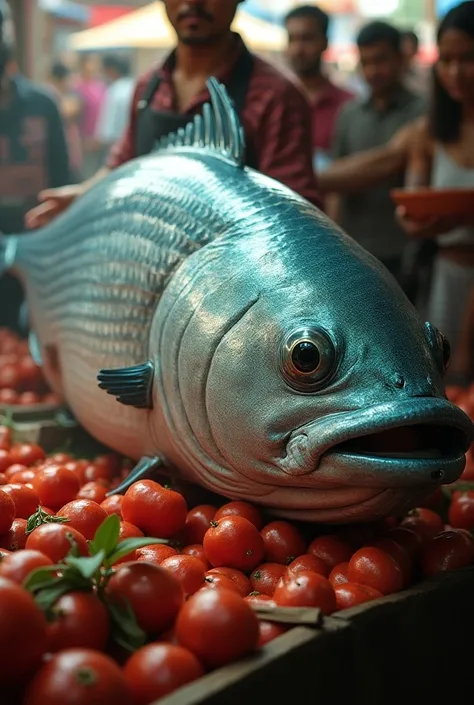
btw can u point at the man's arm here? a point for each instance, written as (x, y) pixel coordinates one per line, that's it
(283, 143)
(57, 154)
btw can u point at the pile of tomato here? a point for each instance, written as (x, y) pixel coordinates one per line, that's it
(124, 599)
(21, 380)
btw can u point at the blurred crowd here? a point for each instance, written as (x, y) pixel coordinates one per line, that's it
(344, 147)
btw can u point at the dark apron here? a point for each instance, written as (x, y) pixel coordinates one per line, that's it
(152, 125)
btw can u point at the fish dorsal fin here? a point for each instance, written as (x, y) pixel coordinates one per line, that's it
(217, 129)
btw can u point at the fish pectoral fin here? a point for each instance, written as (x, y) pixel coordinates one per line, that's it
(131, 386)
(143, 470)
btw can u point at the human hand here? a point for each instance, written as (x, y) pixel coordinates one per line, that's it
(52, 203)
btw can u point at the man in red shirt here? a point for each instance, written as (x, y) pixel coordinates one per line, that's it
(274, 113)
(307, 27)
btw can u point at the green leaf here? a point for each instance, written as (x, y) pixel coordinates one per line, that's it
(42, 517)
(106, 537)
(130, 545)
(46, 598)
(125, 630)
(42, 577)
(87, 567)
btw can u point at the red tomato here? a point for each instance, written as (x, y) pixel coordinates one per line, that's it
(351, 594)
(407, 539)
(156, 511)
(283, 542)
(258, 599)
(52, 398)
(198, 521)
(26, 501)
(4, 552)
(77, 466)
(424, 522)
(56, 486)
(94, 491)
(3, 479)
(375, 568)
(331, 549)
(26, 453)
(113, 504)
(188, 570)
(461, 510)
(78, 677)
(241, 581)
(241, 509)
(154, 595)
(447, 551)
(110, 463)
(8, 397)
(22, 633)
(311, 563)
(7, 512)
(305, 589)
(5, 460)
(56, 541)
(339, 574)
(399, 554)
(17, 566)
(15, 469)
(233, 542)
(5, 437)
(268, 631)
(219, 581)
(265, 578)
(60, 458)
(218, 626)
(128, 531)
(28, 399)
(25, 477)
(155, 554)
(197, 551)
(158, 669)
(15, 538)
(78, 620)
(84, 515)
(10, 377)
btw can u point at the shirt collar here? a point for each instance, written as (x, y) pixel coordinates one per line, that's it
(223, 74)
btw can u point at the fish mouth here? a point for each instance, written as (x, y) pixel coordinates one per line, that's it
(416, 442)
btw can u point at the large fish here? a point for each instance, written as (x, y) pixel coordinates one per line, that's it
(197, 314)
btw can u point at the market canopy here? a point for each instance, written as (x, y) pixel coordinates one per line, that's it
(148, 28)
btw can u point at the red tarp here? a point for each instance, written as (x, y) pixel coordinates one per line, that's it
(101, 14)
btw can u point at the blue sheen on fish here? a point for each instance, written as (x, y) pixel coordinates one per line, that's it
(238, 336)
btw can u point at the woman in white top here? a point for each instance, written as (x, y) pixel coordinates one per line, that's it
(442, 156)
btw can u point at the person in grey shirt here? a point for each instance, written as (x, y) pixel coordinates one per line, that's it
(370, 122)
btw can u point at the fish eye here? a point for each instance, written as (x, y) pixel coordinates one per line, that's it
(307, 360)
(440, 345)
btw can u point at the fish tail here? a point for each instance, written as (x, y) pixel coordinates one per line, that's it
(8, 250)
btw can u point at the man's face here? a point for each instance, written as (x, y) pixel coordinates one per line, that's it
(306, 45)
(381, 66)
(200, 21)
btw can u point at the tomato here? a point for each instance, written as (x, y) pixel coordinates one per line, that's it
(10, 377)
(113, 504)
(26, 453)
(56, 541)
(154, 594)
(24, 498)
(311, 563)
(424, 522)
(339, 574)
(239, 579)
(352, 594)
(17, 566)
(84, 515)
(376, 568)
(448, 550)
(78, 677)
(60, 458)
(79, 620)
(8, 397)
(158, 669)
(188, 570)
(283, 542)
(56, 486)
(331, 549)
(156, 511)
(7, 512)
(155, 554)
(264, 579)
(4, 552)
(198, 522)
(5, 460)
(5, 437)
(235, 543)
(434, 500)
(197, 551)
(241, 509)
(258, 599)
(3, 479)
(52, 398)
(407, 539)
(219, 581)
(357, 535)
(15, 538)
(399, 554)
(218, 626)
(305, 589)
(28, 399)
(25, 477)
(22, 632)
(461, 510)
(15, 469)
(94, 491)
(78, 467)
(109, 464)
(268, 631)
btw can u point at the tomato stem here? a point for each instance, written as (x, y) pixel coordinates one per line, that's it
(86, 676)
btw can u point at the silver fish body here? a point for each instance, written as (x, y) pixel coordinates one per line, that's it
(288, 367)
